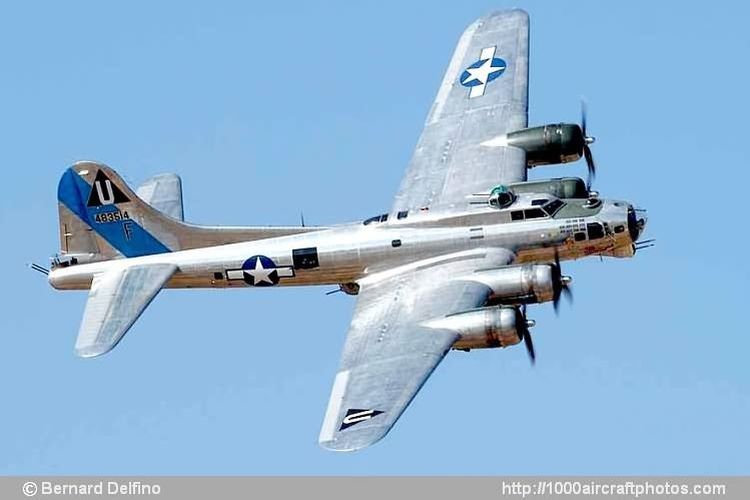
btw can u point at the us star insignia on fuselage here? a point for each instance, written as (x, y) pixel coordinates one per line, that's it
(260, 270)
(467, 245)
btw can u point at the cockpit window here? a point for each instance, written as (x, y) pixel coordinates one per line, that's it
(553, 206)
(377, 218)
(538, 202)
(403, 214)
(529, 213)
(534, 213)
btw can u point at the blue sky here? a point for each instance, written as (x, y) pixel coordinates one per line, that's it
(268, 110)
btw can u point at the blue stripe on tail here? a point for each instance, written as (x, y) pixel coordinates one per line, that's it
(124, 234)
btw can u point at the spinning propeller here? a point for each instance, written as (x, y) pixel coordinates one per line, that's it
(560, 284)
(586, 149)
(522, 326)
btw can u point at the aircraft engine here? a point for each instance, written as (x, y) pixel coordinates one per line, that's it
(550, 144)
(487, 327)
(524, 284)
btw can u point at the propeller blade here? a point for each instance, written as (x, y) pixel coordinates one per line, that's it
(590, 165)
(561, 284)
(529, 345)
(584, 112)
(586, 149)
(568, 293)
(522, 327)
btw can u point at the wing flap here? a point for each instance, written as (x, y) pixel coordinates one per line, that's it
(116, 299)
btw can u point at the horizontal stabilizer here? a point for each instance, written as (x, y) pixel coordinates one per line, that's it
(164, 193)
(116, 300)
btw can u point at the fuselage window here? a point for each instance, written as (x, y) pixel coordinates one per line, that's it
(579, 236)
(534, 213)
(516, 215)
(305, 258)
(596, 230)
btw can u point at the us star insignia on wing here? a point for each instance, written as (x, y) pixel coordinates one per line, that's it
(479, 74)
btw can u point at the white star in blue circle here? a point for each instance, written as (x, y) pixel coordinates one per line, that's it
(479, 74)
(259, 270)
(482, 72)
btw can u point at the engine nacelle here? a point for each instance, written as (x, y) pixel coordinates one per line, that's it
(521, 284)
(483, 328)
(562, 187)
(550, 144)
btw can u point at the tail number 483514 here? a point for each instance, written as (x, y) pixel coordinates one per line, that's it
(111, 216)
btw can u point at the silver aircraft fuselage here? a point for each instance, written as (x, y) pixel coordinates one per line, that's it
(350, 252)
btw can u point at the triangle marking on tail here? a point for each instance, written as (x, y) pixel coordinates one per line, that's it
(105, 192)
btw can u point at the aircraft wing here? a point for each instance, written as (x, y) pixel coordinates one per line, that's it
(388, 353)
(116, 299)
(484, 94)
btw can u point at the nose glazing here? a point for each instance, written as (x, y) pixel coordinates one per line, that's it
(636, 222)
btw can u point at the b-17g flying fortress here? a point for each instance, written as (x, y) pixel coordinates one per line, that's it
(468, 243)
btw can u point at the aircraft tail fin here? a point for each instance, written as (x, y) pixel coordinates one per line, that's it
(101, 218)
(164, 193)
